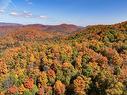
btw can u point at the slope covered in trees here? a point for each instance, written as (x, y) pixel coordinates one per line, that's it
(6, 28)
(92, 61)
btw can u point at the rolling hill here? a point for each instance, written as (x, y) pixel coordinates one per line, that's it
(6, 28)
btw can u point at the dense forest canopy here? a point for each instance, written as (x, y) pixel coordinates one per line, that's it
(90, 61)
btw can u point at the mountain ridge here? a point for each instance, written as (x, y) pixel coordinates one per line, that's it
(12, 27)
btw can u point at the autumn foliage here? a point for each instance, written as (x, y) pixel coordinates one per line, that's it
(91, 61)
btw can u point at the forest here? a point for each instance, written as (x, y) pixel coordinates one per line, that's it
(89, 61)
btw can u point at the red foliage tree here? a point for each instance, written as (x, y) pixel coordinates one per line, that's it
(29, 83)
(12, 90)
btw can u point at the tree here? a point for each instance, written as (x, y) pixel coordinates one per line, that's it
(59, 88)
(3, 68)
(116, 89)
(29, 83)
(42, 79)
(21, 89)
(81, 85)
(12, 90)
(51, 76)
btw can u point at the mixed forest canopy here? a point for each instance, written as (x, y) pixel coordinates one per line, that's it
(87, 61)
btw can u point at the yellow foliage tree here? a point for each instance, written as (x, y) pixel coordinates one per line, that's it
(59, 87)
(81, 85)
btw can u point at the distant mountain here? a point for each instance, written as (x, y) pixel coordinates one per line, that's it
(34, 32)
(9, 24)
(13, 27)
(65, 28)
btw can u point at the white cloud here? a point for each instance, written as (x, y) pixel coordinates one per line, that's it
(14, 14)
(22, 14)
(43, 17)
(1, 11)
(26, 14)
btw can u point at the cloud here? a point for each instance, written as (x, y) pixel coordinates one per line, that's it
(14, 14)
(1, 11)
(23, 14)
(26, 14)
(43, 17)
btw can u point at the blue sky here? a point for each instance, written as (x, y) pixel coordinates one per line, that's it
(79, 12)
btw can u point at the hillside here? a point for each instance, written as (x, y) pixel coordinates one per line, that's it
(6, 28)
(12, 35)
(2, 24)
(89, 61)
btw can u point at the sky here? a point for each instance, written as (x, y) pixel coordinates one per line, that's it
(52, 12)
